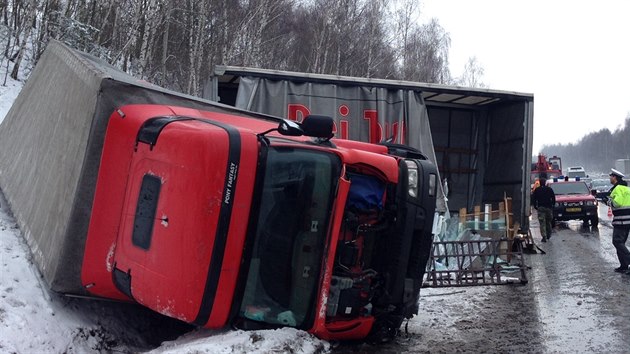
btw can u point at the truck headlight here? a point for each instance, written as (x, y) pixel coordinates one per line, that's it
(412, 173)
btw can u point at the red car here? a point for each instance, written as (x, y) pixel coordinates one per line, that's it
(574, 201)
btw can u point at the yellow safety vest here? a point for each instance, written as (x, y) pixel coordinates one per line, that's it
(620, 196)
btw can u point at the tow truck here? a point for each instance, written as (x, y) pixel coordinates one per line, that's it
(547, 167)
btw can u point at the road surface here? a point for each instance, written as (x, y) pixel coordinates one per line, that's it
(573, 303)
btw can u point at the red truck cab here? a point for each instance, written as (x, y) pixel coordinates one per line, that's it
(219, 220)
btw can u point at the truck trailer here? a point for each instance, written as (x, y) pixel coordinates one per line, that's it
(480, 139)
(211, 214)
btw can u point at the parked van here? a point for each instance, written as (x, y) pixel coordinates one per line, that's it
(576, 171)
(579, 173)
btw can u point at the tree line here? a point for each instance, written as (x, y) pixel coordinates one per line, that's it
(175, 44)
(596, 151)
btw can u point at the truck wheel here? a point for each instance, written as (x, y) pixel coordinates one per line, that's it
(385, 330)
(595, 221)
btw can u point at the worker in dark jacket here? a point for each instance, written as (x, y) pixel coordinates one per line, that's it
(619, 201)
(543, 200)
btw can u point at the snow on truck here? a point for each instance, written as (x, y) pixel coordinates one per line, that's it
(210, 214)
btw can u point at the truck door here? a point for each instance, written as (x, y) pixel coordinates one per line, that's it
(160, 253)
(170, 215)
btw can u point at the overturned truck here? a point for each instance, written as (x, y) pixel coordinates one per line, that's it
(210, 214)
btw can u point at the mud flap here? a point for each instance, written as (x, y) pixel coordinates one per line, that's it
(122, 281)
(409, 298)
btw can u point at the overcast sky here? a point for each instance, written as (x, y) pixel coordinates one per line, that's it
(573, 55)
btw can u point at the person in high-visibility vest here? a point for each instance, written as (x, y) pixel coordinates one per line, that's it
(619, 201)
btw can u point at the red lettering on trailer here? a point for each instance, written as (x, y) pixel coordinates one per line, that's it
(375, 129)
(344, 110)
(344, 129)
(297, 112)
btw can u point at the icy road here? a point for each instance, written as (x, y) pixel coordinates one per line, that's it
(573, 303)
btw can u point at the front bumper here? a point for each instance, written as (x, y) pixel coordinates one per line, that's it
(574, 212)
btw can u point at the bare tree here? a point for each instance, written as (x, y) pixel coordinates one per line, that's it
(27, 24)
(473, 74)
(323, 33)
(427, 54)
(4, 11)
(166, 12)
(150, 21)
(406, 18)
(196, 25)
(48, 9)
(176, 43)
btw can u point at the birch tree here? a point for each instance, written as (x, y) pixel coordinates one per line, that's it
(196, 24)
(427, 54)
(27, 25)
(405, 14)
(473, 74)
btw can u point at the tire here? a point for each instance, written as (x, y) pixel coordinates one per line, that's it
(594, 221)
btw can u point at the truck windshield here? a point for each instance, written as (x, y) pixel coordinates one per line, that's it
(293, 217)
(569, 188)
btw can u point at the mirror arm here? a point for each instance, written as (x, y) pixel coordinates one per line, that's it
(267, 131)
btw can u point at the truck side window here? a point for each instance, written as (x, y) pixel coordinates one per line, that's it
(145, 211)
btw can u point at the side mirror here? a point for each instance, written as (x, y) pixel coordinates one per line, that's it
(318, 126)
(314, 126)
(290, 128)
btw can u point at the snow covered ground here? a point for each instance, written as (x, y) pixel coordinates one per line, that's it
(8, 94)
(34, 320)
